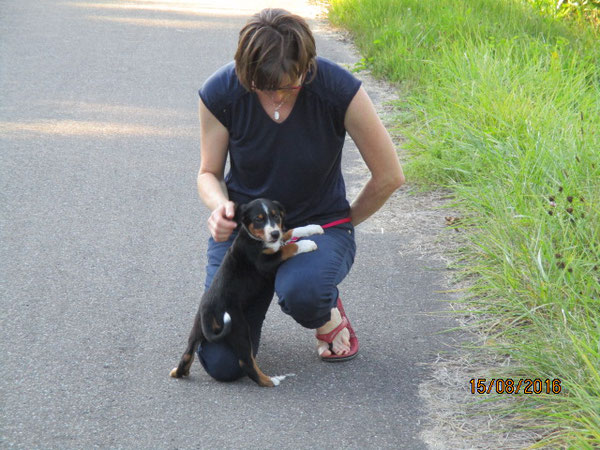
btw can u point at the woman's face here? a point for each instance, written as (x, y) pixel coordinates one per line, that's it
(289, 85)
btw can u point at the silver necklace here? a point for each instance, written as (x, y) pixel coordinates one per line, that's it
(277, 108)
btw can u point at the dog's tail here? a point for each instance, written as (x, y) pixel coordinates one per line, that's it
(213, 330)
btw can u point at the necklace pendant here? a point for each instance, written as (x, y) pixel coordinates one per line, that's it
(276, 115)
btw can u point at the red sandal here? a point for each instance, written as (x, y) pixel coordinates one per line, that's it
(329, 337)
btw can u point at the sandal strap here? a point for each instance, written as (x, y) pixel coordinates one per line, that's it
(329, 337)
(340, 307)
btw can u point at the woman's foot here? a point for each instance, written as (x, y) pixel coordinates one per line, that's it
(341, 343)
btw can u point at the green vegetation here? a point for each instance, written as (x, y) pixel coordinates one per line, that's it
(501, 104)
(574, 10)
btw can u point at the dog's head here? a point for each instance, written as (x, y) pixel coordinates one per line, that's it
(263, 219)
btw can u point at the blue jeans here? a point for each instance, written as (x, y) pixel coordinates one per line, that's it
(306, 286)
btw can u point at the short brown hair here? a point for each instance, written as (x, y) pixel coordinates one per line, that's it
(274, 43)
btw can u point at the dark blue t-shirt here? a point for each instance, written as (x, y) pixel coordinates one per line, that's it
(296, 162)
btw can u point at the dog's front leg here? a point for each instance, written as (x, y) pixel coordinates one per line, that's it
(300, 232)
(295, 248)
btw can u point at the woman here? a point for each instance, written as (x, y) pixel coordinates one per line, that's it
(281, 114)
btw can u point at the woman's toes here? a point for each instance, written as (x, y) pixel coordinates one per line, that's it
(340, 349)
(323, 348)
(341, 342)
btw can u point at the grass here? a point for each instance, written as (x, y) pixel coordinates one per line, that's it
(501, 104)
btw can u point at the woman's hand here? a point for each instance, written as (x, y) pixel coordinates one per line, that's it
(221, 223)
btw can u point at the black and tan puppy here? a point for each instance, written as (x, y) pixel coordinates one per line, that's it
(249, 265)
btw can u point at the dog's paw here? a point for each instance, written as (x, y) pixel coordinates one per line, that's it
(308, 230)
(278, 379)
(306, 246)
(176, 373)
(314, 229)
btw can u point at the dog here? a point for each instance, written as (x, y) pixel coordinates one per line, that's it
(248, 267)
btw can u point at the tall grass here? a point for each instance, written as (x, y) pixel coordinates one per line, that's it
(502, 105)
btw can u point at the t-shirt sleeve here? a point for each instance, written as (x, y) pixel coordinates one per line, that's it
(340, 85)
(347, 86)
(216, 95)
(337, 86)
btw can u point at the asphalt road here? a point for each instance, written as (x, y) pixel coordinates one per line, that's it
(103, 243)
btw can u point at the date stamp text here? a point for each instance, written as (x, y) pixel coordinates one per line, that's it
(527, 386)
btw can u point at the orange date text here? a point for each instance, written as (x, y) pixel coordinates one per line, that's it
(528, 386)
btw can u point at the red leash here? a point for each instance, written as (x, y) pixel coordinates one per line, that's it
(336, 222)
(328, 225)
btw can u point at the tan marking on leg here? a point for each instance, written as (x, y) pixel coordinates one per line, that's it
(264, 380)
(185, 370)
(215, 326)
(287, 235)
(288, 251)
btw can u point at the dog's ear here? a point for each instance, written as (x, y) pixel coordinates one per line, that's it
(280, 207)
(239, 213)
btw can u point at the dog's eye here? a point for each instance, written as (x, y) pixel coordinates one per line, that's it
(259, 219)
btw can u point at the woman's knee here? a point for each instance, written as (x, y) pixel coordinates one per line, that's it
(308, 301)
(219, 361)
